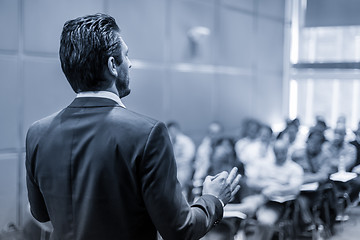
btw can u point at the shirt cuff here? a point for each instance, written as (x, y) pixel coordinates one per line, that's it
(222, 203)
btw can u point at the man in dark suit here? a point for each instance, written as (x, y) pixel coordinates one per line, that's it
(99, 171)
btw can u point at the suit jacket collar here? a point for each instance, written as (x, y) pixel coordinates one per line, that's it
(93, 102)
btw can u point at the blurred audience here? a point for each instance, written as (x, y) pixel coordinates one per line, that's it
(355, 183)
(275, 183)
(317, 165)
(266, 138)
(342, 152)
(315, 161)
(250, 128)
(274, 170)
(320, 124)
(258, 151)
(184, 151)
(356, 143)
(343, 155)
(223, 158)
(292, 135)
(203, 154)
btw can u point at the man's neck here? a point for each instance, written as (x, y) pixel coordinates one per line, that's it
(101, 94)
(112, 89)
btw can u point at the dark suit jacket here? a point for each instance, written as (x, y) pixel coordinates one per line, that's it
(99, 171)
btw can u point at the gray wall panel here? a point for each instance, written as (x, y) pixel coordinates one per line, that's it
(142, 23)
(269, 106)
(270, 44)
(147, 92)
(273, 8)
(247, 5)
(9, 102)
(43, 21)
(9, 24)
(191, 99)
(235, 99)
(8, 189)
(188, 42)
(235, 46)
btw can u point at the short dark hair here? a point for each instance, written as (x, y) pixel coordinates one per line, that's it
(268, 128)
(224, 138)
(317, 132)
(85, 46)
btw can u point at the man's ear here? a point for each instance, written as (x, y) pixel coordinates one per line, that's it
(112, 66)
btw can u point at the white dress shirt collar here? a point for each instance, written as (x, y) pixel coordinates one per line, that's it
(102, 94)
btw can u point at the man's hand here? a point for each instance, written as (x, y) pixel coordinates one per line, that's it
(223, 185)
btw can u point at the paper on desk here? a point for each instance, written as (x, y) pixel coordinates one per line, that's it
(282, 199)
(309, 186)
(343, 176)
(237, 214)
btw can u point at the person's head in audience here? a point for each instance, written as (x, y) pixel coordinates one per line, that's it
(265, 133)
(320, 124)
(292, 129)
(339, 135)
(223, 156)
(174, 130)
(357, 133)
(341, 120)
(214, 129)
(314, 142)
(280, 151)
(251, 128)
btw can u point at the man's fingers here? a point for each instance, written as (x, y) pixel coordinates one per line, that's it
(208, 178)
(222, 176)
(235, 190)
(232, 175)
(235, 182)
(213, 177)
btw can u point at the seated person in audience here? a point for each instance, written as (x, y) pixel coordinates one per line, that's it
(354, 193)
(315, 161)
(265, 142)
(320, 125)
(317, 165)
(356, 143)
(184, 152)
(275, 183)
(202, 158)
(292, 135)
(343, 155)
(259, 151)
(341, 121)
(223, 158)
(251, 129)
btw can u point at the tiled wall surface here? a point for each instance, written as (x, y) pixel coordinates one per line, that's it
(237, 71)
(8, 188)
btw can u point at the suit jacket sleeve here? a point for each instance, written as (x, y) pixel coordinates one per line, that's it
(36, 200)
(169, 210)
